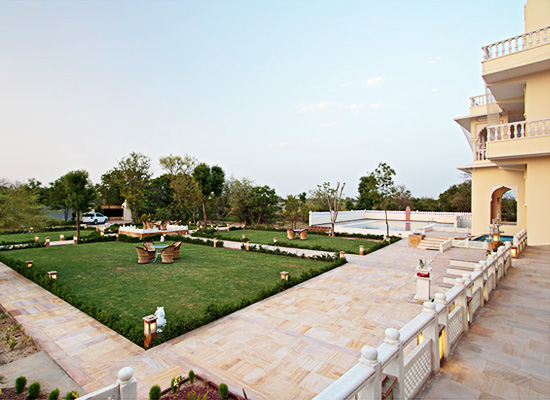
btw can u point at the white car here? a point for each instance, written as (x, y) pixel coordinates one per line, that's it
(94, 218)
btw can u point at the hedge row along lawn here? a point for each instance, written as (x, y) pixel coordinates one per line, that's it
(14, 238)
(313, 242)
(108, 275)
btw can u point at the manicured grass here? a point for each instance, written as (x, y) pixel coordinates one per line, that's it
(54, 236)
(107, 274)
(315, 242)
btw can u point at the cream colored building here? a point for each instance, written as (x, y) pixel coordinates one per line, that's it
(508, 129)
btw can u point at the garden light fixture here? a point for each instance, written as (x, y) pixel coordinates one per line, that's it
(47, 242)
(149, 330)
(61, 236)
(28, 263)
(52, 275)
(284, 275)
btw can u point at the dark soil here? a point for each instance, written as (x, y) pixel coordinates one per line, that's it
(11, 333)
(9, 394)
(199, 389)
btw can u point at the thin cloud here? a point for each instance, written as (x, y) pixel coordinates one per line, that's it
(374, 81)
(347, 84)
(329, 124)
(289, 145)
(374, 106)
(434, 60)
(435, 89)
(314, 107)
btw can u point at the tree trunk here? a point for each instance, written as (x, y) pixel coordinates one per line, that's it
(387, 225)
(78, 225)
(204, 212)
(259, 219)
(332, 228)
(66, 213)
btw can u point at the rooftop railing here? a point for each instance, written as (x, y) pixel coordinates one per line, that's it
(518, 130)
(517, 43)
(482, 100)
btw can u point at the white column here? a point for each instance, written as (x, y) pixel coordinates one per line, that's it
(432, 332)
(395, 367)
(127, 384)
(373, 389)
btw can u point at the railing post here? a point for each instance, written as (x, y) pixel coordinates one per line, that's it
(443, 319)
(479, 283)
(432, 332)
(373, 389)
(396, 367)
(462, 301)
(127, 384)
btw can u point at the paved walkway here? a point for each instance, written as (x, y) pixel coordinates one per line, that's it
(506, 353)
(291, 345)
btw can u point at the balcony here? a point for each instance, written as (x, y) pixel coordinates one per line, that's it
(519, 130)
(481, 100)
(517, 43)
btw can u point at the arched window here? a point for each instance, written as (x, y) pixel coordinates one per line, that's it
(504, 205)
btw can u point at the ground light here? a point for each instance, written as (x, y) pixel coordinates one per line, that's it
(52, 275)
(514, 252)
(75, 239)
(36, 238)
(47, 242)
(284, 275)
(61, 237)
(149, 330)
(28, 263)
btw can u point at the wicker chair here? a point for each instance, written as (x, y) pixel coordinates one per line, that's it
(164, 225)
(177, 246)
(143, 255)
(150, 249)
(167, 255)
(303, 234)
(290, 234)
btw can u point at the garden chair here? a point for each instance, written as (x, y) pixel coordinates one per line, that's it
(157, 224)
(167, 255)
(148, 246)
(143, 255)
(177, 246)
(290, 234)
(164, 225)
(303, 234)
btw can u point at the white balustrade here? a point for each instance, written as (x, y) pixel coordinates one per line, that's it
(124, 389)
(514, 44)
(452, 310)
(519, 130)
(482, 100)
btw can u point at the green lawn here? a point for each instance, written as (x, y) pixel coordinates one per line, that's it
(54, 236)
(316, 242)
(108, 275)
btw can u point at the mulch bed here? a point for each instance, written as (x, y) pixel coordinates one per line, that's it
(24, 345)
(197, 391)
(9, 394)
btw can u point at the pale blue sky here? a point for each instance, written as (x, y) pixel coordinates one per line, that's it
(288, 93)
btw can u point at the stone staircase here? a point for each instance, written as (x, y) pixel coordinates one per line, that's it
(431, 242)
(455, 270)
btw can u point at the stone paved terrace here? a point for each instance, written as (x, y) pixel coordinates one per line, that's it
(506, 353)
(291, 345)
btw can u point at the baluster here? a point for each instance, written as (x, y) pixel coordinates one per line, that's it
(517, 43)
(509, 46)
(523, 42)
(537, 37)
(536, 128)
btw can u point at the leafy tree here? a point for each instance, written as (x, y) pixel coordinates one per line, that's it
(80, 194)
(19, 207)
(332, 198)
(134, 174)
(186, 194)
(292, 210)
(509, 206)
(111, 186)
(177, 165)
(457, 198)
(368, 194)
(238, 193)
(262, 202)
(210, 182)
(424, 204)
(57, 197)
(159, 196)
(402, 197)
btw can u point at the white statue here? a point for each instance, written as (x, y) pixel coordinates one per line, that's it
(161, 318)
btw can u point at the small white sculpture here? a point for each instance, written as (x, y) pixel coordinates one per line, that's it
(161, 318)
(162, 239)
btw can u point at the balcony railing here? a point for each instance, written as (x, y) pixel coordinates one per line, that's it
(519, 130)
(517, 43)
(482, 100)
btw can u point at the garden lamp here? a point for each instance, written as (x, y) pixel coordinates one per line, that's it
(149, 330)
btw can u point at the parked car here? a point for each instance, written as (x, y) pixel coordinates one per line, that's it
(94, 218)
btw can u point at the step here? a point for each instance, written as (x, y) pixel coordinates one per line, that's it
(459, 270)
(445, 286)
(450, 278)
(427, 247)
(463, 263)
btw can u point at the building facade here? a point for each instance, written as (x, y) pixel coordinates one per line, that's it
(508, 129)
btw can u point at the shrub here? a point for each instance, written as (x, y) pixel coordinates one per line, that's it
(34, 390)
(20, 384)
(72, 395)
(223, 391)
(154, 393)
(191, 376)
(175, 383)
(54, 394)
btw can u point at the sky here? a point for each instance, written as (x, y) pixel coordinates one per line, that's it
(290, 94)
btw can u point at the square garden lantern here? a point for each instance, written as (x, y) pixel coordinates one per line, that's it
(149, 330)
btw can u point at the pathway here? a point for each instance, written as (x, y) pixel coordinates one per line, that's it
(291, 345)
(506, 353)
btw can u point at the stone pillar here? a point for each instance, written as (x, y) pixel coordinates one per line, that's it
(423, 283)
(432, 332)
(443, 319)
(373, 389)
(127, 384)
(395, 367)
(462, 301)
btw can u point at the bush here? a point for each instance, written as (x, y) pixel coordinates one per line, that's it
(191, 376)
(20, 384)
(54, 394)
(154, 393)
(34, 390)
(223, 391)
(72, 395)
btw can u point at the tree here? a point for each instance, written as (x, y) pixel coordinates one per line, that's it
(262, 203)
(238, 193)
(57, 197)
(457, 198)
(111, 186)
(185, 189)
(292, 211)
(333, 198)
(19, 207)
(402, 197)
(80, 194)
(368, 194)
(210, 182)
(134, 174)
